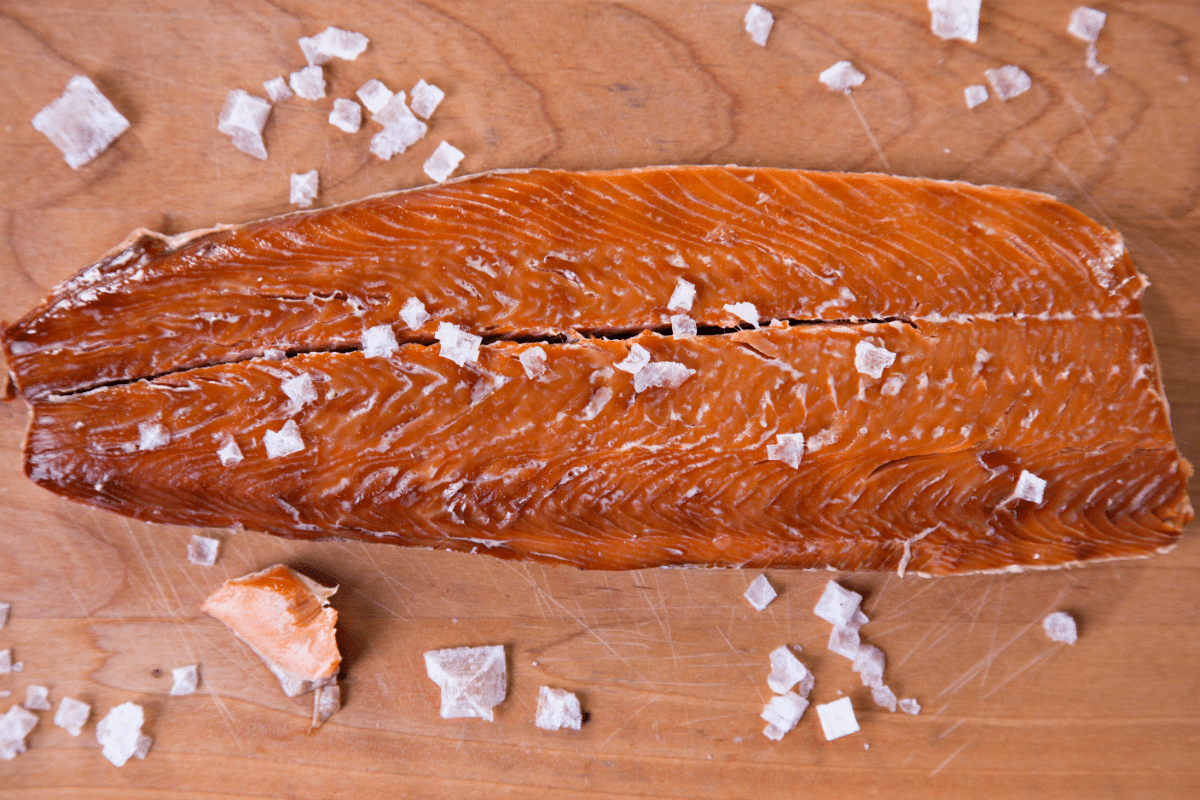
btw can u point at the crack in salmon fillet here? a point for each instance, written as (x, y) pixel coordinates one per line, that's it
(966, 343)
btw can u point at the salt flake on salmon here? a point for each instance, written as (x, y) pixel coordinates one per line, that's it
(872, 360)
(789, 449)
(283, 442)
(458, 345)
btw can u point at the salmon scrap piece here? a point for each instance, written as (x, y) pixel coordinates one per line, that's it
(956, 379)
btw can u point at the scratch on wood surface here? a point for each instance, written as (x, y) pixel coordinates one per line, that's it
(1051, 650)
(867, 128)
(628, 720)
(953, 756)
(951, 729)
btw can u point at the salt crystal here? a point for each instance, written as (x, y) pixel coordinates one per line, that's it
(636, 361)
(975, 94)
(473, 680)
(533, 359)
(333, 43)
(837, 604)
(425, 98)
(458, 345)
(304, 188)
(14, 727)
(758, 23)
(413, 313)
(186, 680)
(374, 95)
(837, 719)
(744, 311)
(1008, 81)
(782, 713)
(398, 136)
(842, 77)
(805, 686)
(596, 403)
(761, 593)
(71, 715)
(271, 354)
(37, 698)
(786, 670)
(666, 374)
(869, 662)
(300, 390)
(395, 110)
(857, 621)
(683, 296)
(789, 449)
(909, 706)
(4, 608)
(954, 19)
(683, 326)
(229, 453)
(152, 435)
(346, 114)
(82, 123)
(309, 82)
(18, 666)
(872, 360)
(277, 89)
(845, 642)
(242, 119)
(5, 661)
(379, 341)
(1086, 23)
(884, 696)
(1060, 627)
(120, 732)
(283, 442)
(327, 701)
(445, 159)
(1029, 487)
(557, 709)
(202, 550)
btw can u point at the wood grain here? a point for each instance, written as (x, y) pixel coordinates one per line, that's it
(670, 665)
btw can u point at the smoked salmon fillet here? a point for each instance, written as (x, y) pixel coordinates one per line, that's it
(947, 378)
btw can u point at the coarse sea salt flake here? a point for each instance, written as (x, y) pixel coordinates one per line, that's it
(333, 43)
(1060, 627)
(872, 360)
(120, 732)
(761, 593)
(379, 341)
(186, 679)
(1086, 23)
(845, 642)
(596, 403)
(229, 453)
(202, 550)
(82, 123)
(14, 727)
(283, 442)
(1008, 81)
(869, 663)
(975, 94)
(683, 326)
(4, 609)
(884, 696)
(909, 706)
(398, 136)
(665, 374)
(300, 390)
(277, 89)
(682, 296)
(837, 605)
(346, 115)
(747, 312)
(152, 435)
(1030, 487)
(309, 82)
(789, 449)
(442, 163)
(557, 709)
(954, 19)
(837, 719)
(425, 99)
(533, 360)
(786, 670)
(473, 680)
(71, 715)
(782, 713)
(304, 187)
(458, 345)
(842, 77)
(37, 698)
(636, 361)
(758, 22)
(5, 661)
(242, 119)
(413, 313)
(374, 95)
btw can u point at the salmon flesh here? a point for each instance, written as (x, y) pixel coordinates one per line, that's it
(887, 373)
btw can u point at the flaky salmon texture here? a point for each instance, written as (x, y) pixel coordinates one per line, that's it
(887, 373)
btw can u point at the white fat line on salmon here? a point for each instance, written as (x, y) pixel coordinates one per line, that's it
(908, 543)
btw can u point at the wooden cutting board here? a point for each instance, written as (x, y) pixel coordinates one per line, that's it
(670, 665)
